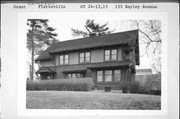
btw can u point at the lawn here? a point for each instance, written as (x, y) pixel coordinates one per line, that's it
(91, 100)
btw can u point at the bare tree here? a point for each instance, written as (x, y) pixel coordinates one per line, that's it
(150, 35)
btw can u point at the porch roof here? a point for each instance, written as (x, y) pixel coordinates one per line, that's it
(45, 70)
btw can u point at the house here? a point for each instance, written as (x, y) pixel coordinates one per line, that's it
(108, 59)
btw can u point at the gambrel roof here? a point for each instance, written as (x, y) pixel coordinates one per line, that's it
(121, 38)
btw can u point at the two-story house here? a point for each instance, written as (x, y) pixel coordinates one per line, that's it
(107, 59)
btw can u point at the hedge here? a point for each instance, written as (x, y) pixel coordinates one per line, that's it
(79, 84)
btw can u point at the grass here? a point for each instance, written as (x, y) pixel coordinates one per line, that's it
(91, 100)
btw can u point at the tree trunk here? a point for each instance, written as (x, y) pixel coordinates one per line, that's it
(32, 57)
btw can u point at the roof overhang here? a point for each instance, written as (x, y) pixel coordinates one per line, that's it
(45, 70)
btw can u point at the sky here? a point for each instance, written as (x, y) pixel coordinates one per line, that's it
(63, 29)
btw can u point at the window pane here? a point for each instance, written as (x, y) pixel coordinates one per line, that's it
(113, 57)
(107, 52)
(99, 76)
(87, 59)
(87, 54)
(66, 62)
(66, 57)
(73, 75)
(107, 58)
(117, 75)
(113, 51)
(81, 60)
(108, 75)
(61, 59)
(81, 54)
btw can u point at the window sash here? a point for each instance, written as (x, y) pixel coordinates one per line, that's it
(108, 75)
(113, 52)
(110, 55)
(61, 59)
(64, 59)
(99, 76)
(107, 57)
(114, 57)
(107, 52)
(117, 75)
(87, 54)
(84, 57)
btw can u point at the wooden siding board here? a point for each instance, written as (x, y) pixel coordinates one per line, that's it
(97, 55)
(73, 58)
(119, 54)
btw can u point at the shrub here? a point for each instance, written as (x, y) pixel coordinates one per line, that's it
(135, 86)
(151, 85)
(125, 86)
(81, 84)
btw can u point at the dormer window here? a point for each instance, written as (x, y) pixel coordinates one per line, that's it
(111, 55)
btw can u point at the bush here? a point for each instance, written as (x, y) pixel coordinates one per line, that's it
(81, 84)
(152, 85)
(125, 86)
(135, 86)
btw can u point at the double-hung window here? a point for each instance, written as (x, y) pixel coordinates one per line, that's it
(107, 55)
(111, 55)
(117, 75)
(99, 76)
(64, 59)
(84, 57)
(108, 75)
(114, 54)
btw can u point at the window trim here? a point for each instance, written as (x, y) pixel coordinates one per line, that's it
(112, 76)
(116, 74)
(84, 58)
(108, 74)
(63, 59)
(102, 76)
(110, 58)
